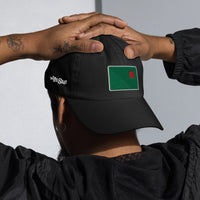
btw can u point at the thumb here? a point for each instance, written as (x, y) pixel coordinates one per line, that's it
(86, 46)
(131, 51)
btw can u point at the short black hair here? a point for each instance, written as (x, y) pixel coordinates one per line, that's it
(54, 103)
(54, 106)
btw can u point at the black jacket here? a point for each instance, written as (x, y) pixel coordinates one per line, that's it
(169, 171)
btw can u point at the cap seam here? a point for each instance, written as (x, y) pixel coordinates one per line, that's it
(76, 73)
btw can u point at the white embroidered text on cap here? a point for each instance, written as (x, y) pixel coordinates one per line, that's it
(60, 81)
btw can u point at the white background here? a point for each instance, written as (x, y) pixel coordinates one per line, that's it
(176, 105)
(25, 114)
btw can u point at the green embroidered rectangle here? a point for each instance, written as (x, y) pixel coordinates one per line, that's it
(122, 78)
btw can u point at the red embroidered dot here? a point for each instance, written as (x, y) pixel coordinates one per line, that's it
(131, 74)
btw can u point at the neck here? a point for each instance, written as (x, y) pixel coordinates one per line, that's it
(109, 145)
(118, 144)
(77, 139)
(117, 151)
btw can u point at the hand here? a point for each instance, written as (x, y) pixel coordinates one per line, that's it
(63, 39)
(140, 44)
(54, 42)
(115, 21)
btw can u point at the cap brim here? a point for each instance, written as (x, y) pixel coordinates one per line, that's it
(114, 116)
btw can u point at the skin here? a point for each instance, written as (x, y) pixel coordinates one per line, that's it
(53, 43)
(145, 46)
(77, 139)
(56, 41)
(73, 35)
(88, 142)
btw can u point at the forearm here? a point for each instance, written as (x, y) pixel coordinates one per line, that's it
(162, 48)
(18, 46)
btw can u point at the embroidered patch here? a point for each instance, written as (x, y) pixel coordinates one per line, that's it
(122, 78)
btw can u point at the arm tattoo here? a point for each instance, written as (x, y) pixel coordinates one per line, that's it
(14, 42)
(65, 48)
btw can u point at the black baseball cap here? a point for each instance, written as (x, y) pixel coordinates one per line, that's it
(105, 90)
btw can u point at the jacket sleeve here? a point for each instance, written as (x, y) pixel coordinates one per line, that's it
(26, 174)
(187, 67)
(191, 140)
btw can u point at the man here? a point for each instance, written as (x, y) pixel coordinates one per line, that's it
(159, 171)
(105, 91)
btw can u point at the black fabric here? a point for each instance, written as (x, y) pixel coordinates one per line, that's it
(157, 172)
(113, 117)
(161, 171)
(187, 67)
(167, 171)
(83, 79)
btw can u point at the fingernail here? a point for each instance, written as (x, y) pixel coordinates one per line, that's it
(126, 23)
(131, 54)
(96, 47)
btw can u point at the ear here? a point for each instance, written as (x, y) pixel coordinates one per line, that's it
(61, 109)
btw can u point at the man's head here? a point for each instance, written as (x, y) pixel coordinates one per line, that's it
(75, 138)
(104, 91)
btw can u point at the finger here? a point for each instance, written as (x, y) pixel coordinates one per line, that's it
(100, 18)
(86, 46)
(101, 29)
(131, 51)
(77, 17)
(136, 50)
(60, 21)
